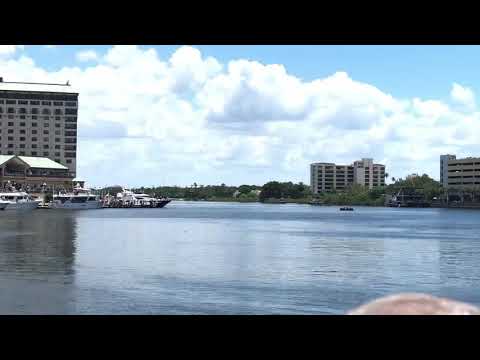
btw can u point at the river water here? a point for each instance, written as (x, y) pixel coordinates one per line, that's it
(229, 258)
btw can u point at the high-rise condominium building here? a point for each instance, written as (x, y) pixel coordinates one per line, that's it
(39, 120)
(459, 173)
(325, 177)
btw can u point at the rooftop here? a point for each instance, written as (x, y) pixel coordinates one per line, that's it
(41, 163)
(36, 87)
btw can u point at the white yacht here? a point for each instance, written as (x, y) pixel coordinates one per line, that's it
(78, 200)
(17, 200)
(128, 198)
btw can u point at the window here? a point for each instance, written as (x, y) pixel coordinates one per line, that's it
(46, 111)
(10, 146)
(57, 103)
(11, 102)
(71, 103)
(69, 161)
(57, 154)
(34, 117)
(46, 118)
(22, 146)
(34, 124)
(34, 132)
(22, 153)
(45, 146)
(22, 102)
(58, 111)
(22, 139)
(45, 132)
(70, 133)
(45, 139)
(22, 117)
(58, 132)
(70, 126)
(22, 111)
(70, 154)
(10, 138)
(34, 153)
(22, 131)
(57, 125)
(34, 111)
(57, 118)
(45, 153)
(34, 139)
(57, 139)
(70, 147)
(70, 111)
(34, 102)
(57, 147)
(70, 141)
(11, 110)
(46, 125)
(10, 153)
(22, 124)
(47, 103)
(10, 123)
(10, 116)
(1, 110)
(34, 146)
(70, 119)
(10, 131)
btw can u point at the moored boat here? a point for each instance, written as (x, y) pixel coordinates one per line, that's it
(18, 200)
(79, 199)
(346, 208)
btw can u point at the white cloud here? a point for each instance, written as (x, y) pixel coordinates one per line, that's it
(8, 50)
(86, 55)
(190, 118)
(463, 95)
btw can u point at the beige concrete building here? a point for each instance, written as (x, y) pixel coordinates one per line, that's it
(325, 177)
(459, 173)
(39, 120)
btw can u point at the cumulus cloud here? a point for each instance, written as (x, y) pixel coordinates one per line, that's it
(189, 118)
(86, 55)
(463, 95)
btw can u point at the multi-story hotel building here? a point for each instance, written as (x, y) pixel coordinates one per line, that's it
(325, 177)
(459, 173)
(39, 120)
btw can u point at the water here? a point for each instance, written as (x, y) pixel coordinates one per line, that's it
(225, 258)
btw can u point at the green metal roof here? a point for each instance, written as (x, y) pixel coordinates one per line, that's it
(41, 162)
(5, 158)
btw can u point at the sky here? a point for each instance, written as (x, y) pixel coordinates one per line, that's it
(175, 115)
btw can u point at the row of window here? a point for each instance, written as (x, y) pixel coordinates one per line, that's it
(20, 95)
(36, 103)
(45, 146)
(35, 117)
(36, 111)
(22, 124)
(33, 132)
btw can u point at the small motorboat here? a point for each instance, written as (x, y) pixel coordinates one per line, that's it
(346, 208)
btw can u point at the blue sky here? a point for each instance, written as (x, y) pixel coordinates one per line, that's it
(250, 114)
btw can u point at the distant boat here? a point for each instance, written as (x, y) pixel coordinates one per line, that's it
(316, 202)
(346, 208)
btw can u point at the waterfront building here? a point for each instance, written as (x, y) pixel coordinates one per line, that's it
(33, 173)
(39, 120)
(444, 168)
(459, 173)
(325, 177)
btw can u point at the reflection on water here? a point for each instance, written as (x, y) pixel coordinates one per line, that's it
(37, 253)
(212, 258)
